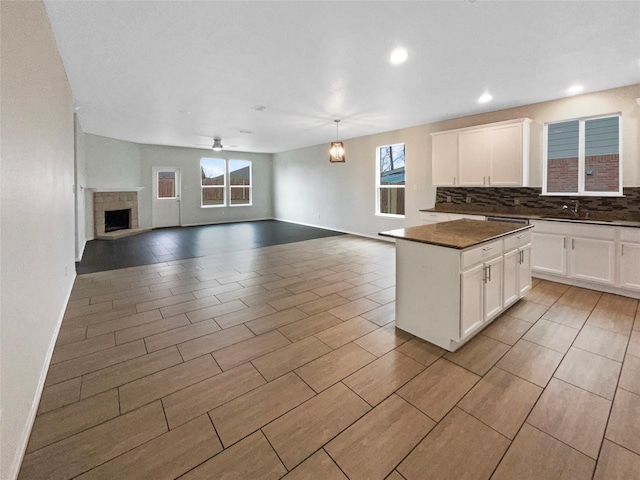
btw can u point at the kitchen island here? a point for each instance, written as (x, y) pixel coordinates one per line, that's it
(454, 278)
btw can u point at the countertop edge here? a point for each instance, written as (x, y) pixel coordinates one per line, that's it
(474, 243)
(545, 218)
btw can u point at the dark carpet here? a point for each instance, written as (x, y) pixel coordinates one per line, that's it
(167, 244)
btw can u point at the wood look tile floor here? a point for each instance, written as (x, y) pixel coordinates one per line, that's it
(284, 362)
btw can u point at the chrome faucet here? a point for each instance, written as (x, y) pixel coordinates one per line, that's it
(574, 210)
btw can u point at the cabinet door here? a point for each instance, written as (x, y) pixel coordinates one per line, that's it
(511, 275)
(630, 265)
(524, 270)
(548, 253)
(471, 290)
(444, 159)
(506, 155)
(592, 260)
(493, 288)
(474, 157)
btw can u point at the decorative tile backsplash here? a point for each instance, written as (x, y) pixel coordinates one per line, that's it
(528, 200)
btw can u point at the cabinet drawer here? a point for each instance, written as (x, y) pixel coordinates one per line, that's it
(516, 241)
(571, 229)
(480, 254)
(458, 216)
(434, 217)
(630, 235)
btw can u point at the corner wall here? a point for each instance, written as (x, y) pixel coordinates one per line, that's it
(37, 216)
(310, 190)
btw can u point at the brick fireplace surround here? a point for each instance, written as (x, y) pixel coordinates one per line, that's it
(105, 201)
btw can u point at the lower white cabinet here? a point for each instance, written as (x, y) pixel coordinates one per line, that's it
(549, 253)
(446, 296)
(517, 274)
(629, 259)
(592, 260)
(481, 294)
(606, 257)
(427, 218)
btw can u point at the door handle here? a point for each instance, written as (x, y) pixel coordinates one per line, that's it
(489, 267)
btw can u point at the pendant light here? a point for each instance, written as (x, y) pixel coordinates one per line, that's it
(217, 145)
(336, 151)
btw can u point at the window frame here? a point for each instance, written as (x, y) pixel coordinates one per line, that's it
(227, 187)
(378, 213)
(231, 187)
(581, 158)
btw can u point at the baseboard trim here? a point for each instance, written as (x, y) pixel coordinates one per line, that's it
(582, 284)
(16, 463)
(226, 221)
(349, 232)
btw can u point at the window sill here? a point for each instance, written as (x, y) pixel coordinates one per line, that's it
(583, 194)
(390, 215)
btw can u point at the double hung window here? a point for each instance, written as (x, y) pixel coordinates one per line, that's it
(225, 182)
(583, 157)
(390, 180)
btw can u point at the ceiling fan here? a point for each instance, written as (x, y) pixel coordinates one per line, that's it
(217, 144)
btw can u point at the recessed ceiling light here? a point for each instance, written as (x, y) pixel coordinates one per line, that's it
(485, 97)
(575, 89)
(398, 56)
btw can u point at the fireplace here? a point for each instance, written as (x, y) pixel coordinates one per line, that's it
(117, 220)
(114, 211)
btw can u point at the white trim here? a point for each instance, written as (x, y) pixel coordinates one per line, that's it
(122, 189)
(201, 224)
(23, 441)
(599, 287)
(349, 232)
(81, 253)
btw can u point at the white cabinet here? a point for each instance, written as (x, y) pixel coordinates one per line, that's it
(445, 170)
(517, 268)
(509, 146)
(495, 154)
(592, 260)
(445, 295)
(584, 254)
(427, 218)
(629, 259)
(474, 157)
(549, 254)
(481, 292)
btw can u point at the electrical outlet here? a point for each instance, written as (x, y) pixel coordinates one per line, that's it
(516, 201)
(448, 198)
(468, 199)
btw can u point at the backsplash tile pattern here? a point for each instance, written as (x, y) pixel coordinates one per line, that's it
(504, 199)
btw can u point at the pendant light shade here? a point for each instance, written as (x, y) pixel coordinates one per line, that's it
(217, 145)
(336, 150)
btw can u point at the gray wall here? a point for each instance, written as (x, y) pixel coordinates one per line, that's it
(310, 190)
(37, 210)
(112, 163)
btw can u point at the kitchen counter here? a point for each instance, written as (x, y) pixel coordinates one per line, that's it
(458, 234)
(536, 216)
(454, 278)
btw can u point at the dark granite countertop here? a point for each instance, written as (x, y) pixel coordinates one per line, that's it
(537, 215)
(458, 234)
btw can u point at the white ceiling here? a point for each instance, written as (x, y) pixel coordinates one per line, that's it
(180, 73)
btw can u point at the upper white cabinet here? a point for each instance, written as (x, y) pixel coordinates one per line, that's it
(445, 170)
(496, 154)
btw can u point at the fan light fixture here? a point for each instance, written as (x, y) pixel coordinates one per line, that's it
(336, 151)
(217, 145)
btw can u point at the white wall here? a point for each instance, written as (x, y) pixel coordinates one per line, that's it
(310, 190)
(37, 216)
(80, 183)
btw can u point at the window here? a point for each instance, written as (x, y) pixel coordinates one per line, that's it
(582, 157)
(166, 184)
(240, 182)
(390, 180)
(225, 182)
